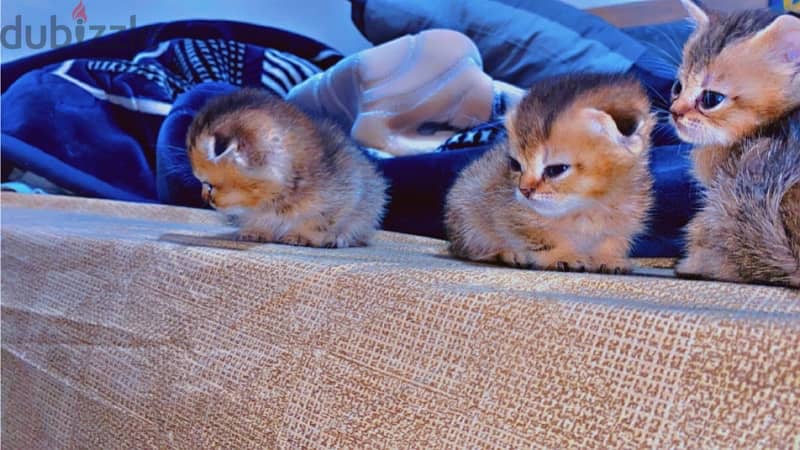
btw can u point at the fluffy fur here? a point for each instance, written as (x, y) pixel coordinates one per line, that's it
(284, 176)
(748, 147)
(507, 207)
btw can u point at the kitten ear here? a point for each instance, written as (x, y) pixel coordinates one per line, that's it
(241, 159)
(219, 148)
(697, 12)
(228, 150)
(266, 158)
(781, 40)
(623, 130)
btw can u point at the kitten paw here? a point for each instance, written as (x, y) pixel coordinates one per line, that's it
(690, 268)
(615, 269)
(252, 236)
(297, 240)
(523, 260)
(339, 243)
(571, 266)
(324, 242)
(613, 266)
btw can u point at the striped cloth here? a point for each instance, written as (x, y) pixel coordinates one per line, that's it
(151, 81)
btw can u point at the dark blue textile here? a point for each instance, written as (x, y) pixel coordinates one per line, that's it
(87, 117)
(122, 149)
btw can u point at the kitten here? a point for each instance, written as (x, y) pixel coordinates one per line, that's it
(738, 100)
(570, 188)
(284, 176)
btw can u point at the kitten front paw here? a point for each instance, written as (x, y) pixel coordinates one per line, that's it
(690, 267)
(253, 236)
(340, 243)
(297, 240)
(571, 266)
(525, 260)
(613, 266)
(323, 242)
(619, 268)
(616, 267)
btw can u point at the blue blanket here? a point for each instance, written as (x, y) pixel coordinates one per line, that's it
(107, 118)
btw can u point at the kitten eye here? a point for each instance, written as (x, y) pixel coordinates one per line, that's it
(221, 143)
(555, 170)
(677, 88)
(711, 99)
(514, 164)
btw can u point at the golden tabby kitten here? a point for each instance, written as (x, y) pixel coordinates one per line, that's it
(570, 188)
(737, 100)
(284, 176)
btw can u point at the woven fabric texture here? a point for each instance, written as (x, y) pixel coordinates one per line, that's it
(141, 326)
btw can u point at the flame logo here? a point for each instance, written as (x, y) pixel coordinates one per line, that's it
(79, 13)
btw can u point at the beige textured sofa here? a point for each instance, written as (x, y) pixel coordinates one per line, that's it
(131, 326)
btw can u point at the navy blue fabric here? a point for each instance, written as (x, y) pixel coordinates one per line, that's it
(126, 44)
(86, 143)
(96, 148)
(419, 184)
(55, 129)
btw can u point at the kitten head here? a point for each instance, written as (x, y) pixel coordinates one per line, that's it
(578, 141)
(740, 71)
(244, 146)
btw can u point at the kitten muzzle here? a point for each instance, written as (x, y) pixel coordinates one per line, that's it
(526, 192)
(679, 109)
(528, 187)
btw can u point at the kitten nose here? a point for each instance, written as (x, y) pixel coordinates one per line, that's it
(528, 184)
(679, 109)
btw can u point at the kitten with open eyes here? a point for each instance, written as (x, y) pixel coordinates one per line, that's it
(738, 100)
(570, 188)
(284, 176)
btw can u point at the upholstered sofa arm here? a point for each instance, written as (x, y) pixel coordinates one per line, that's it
(128, 325)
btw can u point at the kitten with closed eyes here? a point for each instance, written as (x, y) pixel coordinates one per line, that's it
(284, 176)
(738, 100)
(570, 189)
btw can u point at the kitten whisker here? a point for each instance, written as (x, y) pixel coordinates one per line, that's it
(674, 44)
(657, 94)
(666, 66)
(661, 113)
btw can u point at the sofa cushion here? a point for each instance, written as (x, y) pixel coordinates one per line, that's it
(130, 325)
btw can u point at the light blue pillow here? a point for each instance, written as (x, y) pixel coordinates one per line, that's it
(520, 41)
